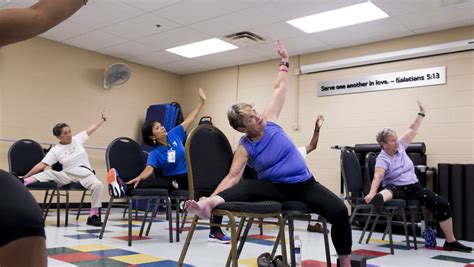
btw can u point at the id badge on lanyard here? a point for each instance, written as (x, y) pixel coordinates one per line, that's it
(171, 156)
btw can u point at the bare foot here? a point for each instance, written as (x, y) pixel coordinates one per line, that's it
(201, 208)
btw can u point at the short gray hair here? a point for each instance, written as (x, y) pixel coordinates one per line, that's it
(382, 135)
(235, 114)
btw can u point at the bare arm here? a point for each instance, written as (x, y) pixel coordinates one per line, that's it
(314, 140)
(236, 170)
(142, 176)
(18, 24)
(37, 168)
(273, 109)
(97, 124)
(410, 134)
(192, 116)
(379, 173)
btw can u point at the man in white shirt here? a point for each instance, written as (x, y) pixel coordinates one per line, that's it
(70, 153)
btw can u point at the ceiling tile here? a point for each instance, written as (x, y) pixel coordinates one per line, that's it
(190, 12)
(176, 37)
(95, 40)
(127, 50)
(101, 13)
(141, 26)
(65, 30)
(150, 5)
(238, 21)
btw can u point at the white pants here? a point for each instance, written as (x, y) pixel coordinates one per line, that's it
(91, 182)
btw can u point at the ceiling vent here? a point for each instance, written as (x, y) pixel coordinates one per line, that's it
(244, 38)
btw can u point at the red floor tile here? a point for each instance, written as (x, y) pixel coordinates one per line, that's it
(134, 237)
(372, 253)
(76, 257)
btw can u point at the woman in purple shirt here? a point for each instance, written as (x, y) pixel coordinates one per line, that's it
(396, 172)
(282, 171)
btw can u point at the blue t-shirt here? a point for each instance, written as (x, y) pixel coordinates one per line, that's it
(274, 157)
(158, 157)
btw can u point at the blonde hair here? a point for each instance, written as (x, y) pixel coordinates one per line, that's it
(236, 112)
(382, 135)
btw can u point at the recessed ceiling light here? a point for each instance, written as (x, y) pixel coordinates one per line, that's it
(338, 18)
(206, 47)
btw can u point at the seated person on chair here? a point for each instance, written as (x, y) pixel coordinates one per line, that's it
(71, 154)
(18, 24)
(282, 173)
(396, 172)
(168, 154)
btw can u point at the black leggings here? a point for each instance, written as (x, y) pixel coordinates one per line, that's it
(438, 205)
(21, 216)
(318, 198)
(181, 181)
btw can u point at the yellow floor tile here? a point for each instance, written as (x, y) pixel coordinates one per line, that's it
(93, 247)
(250, 262)
(137, 258)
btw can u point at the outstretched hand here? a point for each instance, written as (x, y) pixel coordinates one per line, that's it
(103, 116)
(422, 108)
(202, 95)
(319, 122)
(281, 50)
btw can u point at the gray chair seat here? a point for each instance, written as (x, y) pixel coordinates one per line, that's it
(261, 207)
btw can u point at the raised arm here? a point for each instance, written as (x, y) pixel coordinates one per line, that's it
(410, 134)
(18, 24)
(37, 168)
(314, 140)
(192, 116)
(273, 109)
(97, 124)
(236, 170)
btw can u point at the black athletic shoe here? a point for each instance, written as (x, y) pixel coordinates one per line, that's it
(377, 201)
(456, 246)
(94, 221)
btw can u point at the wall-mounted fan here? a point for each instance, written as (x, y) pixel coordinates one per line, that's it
(116, 74)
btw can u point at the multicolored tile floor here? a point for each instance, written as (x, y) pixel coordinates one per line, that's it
(78, 245)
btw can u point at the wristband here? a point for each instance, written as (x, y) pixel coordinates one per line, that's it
(421, 114)
(285, 63)
(282, 68)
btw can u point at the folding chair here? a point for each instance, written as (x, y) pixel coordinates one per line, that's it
(208, 158)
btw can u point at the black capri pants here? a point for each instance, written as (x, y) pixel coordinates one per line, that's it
(21, 216)
(318, 198)
(438, 205)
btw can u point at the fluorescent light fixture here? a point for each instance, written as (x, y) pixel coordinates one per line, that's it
(338, 18)
(424, 51)
(206, 47)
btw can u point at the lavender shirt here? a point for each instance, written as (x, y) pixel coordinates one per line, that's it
(399, 169)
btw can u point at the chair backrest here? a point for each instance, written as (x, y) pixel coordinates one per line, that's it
(370, 160)
(351, 174)
(23, 155)
(126, 156)
(208, 158)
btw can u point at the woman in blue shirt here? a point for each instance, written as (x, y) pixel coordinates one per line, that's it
(282, 171)
(168, 155)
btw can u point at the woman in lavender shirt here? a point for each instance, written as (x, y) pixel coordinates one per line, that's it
(396, 172)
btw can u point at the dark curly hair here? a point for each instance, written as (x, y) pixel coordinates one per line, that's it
(58, 128)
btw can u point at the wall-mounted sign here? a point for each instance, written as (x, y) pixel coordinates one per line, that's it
(386, 81)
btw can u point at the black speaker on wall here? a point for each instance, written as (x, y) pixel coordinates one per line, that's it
(469, 202)
(457, 199)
